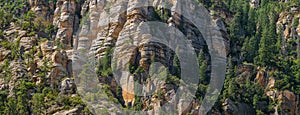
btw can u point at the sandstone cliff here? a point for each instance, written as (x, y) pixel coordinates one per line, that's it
(100, 26)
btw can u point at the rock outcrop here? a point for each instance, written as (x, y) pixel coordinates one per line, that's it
(47, 47)
(42, 9)
(230, 108)
(59, 70)
(68, 86)
(67, 20)
(118, 24)
(261, 77)
(125, 26)
(287, 27)
(288, 103)
(254, 3)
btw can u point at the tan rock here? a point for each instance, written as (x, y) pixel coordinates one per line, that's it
(47, 47)
(27, 43)
(261, 77)
(287, 32)
(4, 54)
(120, 23)
(41, 8)
(128, 91)
(65, 18)
(288, 102)
(59, 69)
(67, 86)
(73, 111)
(254, 3)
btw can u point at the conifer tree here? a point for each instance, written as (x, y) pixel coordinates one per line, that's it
(267, 49)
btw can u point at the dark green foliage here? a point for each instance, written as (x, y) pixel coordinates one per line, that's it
(27, 21)
(10, 106)
(104, 64)
(203, 76)
(50, 30)
(3, 100)
(38, 103)
(236, 34)
(205, 3)
(138, 104)
(176, 65)
(22, 97)
(254, 30)
(5, 19)
(68, 101)
(249, 49)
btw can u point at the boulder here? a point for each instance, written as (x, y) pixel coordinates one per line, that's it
(67, 86)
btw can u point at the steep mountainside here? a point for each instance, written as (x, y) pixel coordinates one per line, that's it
(38, 40)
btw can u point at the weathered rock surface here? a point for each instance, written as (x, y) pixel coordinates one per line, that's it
(110, 24)
(66, 19)
(59, 68)
(254, 3)
(234, 109)
(42, 9)
(126, 20)
(68, 86)
(288, 103)
(47, 47)
(261, 77)
(286, 25)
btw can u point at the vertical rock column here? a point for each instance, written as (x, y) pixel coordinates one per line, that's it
(65, 18)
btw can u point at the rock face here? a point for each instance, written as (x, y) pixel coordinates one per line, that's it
(286, 23)
(74, 111)
(47, 47)
(235, 109)
(111, 24)
(261, 77)
(4, 54)
(26, 43)
(59, 69)
(67, 86)
(288, 103)
(287, 26)
(245, 73)
(126, 20)
(66, 19)
(42, 9)
(254, 3)
(128, 94)
(290, 30)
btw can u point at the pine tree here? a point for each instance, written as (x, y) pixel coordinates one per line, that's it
(236, 35)
(176, 65)
(251, 23)
(245, 50)
(280, 42)
(267, 50)
(203, 78)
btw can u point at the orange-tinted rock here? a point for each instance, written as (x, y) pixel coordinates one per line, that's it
(288, 102)
(66, 19)
(261, 77)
